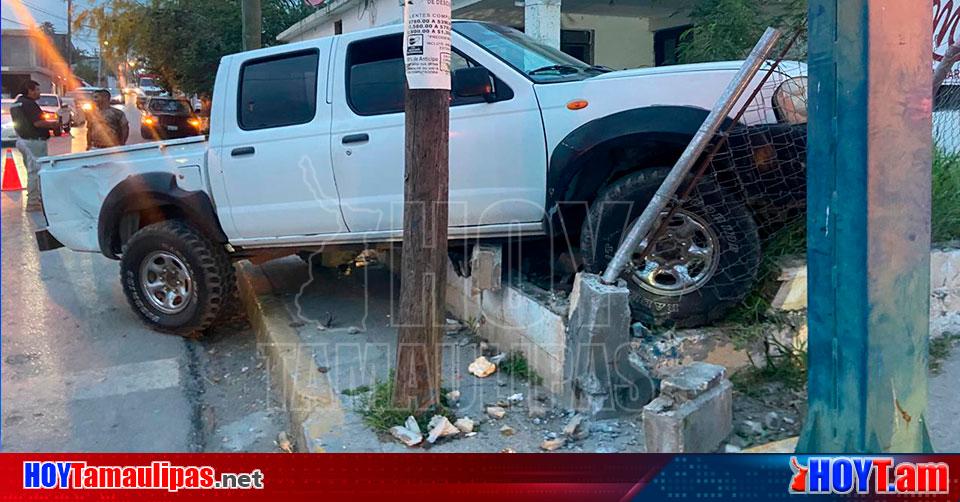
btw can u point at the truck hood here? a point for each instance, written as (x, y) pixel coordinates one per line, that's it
(692, 86)
(792, 68)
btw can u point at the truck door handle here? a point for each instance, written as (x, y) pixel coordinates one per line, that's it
(355, 138)
(246, 150)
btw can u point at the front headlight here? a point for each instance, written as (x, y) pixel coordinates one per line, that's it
(790, 101)
(87, 107)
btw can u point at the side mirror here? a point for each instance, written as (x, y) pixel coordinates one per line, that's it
(472, 82)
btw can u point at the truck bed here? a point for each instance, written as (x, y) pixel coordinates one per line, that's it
(75, 185)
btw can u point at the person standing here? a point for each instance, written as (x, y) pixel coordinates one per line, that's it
(106, 126)
(32, 135)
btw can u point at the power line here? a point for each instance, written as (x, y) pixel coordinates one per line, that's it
(38, 9)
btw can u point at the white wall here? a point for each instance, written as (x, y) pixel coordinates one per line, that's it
(356, 16)
(618, 42)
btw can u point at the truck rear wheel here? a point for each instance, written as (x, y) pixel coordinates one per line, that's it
(175, 279)
(703, 263)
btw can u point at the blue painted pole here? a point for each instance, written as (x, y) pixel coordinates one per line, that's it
(868, 224)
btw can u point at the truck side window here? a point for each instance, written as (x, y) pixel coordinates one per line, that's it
(376, 79)
(278, 90)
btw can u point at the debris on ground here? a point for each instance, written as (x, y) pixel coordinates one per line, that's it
(496, 412)
(553, 444)
(453, 326)
(497, 359)
(515, 398)
(440, 426)
(453, 396)
(575, 428)
(481, 367)
(536, 409)
(465, 425)
(283, 442)
(408, 433)
(506, 430)
(353, 330)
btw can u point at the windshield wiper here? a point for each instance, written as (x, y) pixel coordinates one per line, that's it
(559, 68)
(601, 68)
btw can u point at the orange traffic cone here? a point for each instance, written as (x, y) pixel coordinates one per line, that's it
(11, 178)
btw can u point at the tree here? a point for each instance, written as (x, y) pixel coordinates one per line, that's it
(728, 29)
(182, 41)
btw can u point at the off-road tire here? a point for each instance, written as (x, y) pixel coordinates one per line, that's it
(208, 264)
(729, 219)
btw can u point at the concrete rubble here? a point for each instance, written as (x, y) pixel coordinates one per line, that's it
(693, 414)
(408, 433)
(602, 379)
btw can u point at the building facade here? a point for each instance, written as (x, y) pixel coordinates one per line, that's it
(28, 56)
(622, 34)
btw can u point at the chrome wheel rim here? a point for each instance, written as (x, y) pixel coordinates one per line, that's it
(682, 260)
(166, 282)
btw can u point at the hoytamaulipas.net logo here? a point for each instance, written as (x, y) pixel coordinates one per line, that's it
(868, 475)
(156, 476)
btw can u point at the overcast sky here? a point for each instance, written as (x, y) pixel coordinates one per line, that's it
(54, 11)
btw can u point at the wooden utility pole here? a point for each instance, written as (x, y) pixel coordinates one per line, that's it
(425, 214)
(868, 226)
(250, 10)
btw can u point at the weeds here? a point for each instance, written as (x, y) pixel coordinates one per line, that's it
(517, 366)
(940, 349)
(376, 408)
(945, 216)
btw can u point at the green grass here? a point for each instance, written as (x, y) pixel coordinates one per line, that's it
(517, 366)
(945, 217)
(376, 408)
(784, 364)
(357, 391)
(791, 240)
(940, 349)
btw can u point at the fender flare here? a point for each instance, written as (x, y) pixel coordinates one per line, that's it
(595, 142)
(152, 190)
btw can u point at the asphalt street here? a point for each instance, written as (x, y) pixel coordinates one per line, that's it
(81, 373)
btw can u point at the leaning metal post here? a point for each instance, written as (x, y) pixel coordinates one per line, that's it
(645, 223)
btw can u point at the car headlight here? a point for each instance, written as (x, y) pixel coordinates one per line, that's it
(87, 107)
(790, 101)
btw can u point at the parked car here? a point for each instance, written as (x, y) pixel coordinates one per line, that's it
(54, 109)
(83, 102)
(296, 161)
(168, 118)
(116, 96)
(9, 134)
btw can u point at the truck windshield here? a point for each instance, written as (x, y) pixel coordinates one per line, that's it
(48, 101)
(540, 63)
(169, 106)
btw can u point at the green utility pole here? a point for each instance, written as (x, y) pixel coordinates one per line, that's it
(868, 226)
(252, 26)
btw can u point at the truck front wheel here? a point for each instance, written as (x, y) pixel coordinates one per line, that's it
(175, 279)
(701, 265)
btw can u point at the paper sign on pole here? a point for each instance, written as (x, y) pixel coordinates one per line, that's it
(426, 43)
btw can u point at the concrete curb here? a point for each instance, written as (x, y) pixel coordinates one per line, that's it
(309, 397)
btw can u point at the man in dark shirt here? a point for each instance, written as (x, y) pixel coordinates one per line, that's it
(106, 126)
(32, 134)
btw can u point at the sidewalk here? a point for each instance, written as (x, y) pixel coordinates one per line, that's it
(342, 318)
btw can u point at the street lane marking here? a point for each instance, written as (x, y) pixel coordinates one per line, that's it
(98, 382)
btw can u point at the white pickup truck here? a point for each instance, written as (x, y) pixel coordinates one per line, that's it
(305, 150)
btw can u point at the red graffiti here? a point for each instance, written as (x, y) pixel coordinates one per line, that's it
(946, 19)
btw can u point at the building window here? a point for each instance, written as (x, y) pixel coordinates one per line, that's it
(278, 91)
(666, 44)
(577, 43)
(338, 27)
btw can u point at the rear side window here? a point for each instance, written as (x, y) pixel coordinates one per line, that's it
(278, 91)
(375, 75)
